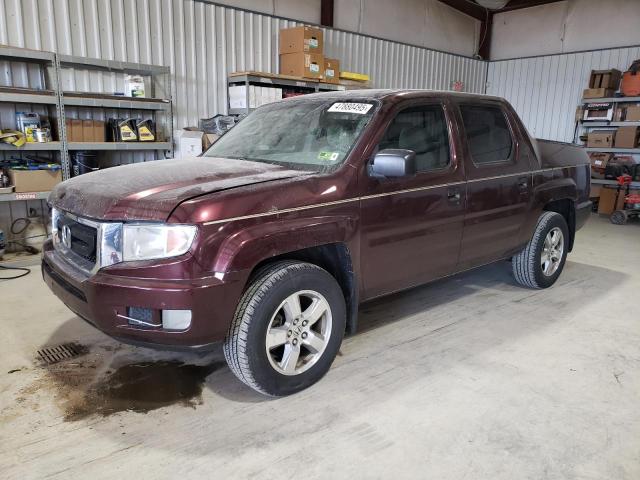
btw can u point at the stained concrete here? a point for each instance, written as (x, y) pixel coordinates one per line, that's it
(470, 377)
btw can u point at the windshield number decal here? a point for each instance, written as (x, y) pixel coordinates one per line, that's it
(359, 108)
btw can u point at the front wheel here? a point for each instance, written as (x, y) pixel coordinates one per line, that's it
(540, 263)
(287, 328)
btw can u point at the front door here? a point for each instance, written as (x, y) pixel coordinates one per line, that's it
(498, 184)
(412, 226)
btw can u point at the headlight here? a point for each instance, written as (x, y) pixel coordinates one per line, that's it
(149, 241)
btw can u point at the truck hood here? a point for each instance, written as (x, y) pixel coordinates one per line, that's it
(151, 190)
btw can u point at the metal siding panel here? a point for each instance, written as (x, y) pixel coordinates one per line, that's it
(545, 90)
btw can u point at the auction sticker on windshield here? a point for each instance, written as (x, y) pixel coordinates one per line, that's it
(360, 108)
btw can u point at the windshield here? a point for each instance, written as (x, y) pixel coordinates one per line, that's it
(313, 134)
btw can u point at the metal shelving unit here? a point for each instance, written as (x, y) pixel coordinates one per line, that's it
(33, 146)
(596, 181)
(630, 151)
(111, 146)
(12, 197)
(611, 100)
(52, 66)
(278, 81)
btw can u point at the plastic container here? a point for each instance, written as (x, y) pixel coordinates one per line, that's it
(630, 86)
(84, 162)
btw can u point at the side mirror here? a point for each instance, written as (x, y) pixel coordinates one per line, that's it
(393, 163)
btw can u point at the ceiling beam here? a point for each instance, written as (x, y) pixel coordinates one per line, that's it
(465, 6)
(326, 13)
(518, 4)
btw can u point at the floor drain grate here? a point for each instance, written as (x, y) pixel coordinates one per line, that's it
(51, 355)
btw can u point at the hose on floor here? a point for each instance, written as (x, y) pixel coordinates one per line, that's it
(25, 272)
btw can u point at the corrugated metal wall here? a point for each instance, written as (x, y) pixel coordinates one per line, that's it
(202, 43)
(545, 91)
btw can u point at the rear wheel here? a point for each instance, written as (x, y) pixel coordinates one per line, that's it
(619, 217)
(540, 263)
(287, 329)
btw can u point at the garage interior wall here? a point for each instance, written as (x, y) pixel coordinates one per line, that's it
(545, 91)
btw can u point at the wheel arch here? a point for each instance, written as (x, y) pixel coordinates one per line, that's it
(335, 258)
(565, 207)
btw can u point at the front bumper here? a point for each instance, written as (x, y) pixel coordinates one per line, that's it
(100, 298)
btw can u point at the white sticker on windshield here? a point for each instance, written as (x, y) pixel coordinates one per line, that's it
(360, 108)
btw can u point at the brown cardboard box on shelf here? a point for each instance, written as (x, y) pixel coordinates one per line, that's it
(598, 93)
(331, 70)
(599, 161)
(74, 130)
(633, 113)
(607, 203)
(605, 79)
(301, 39)
(308, 65)
(34, 180)
(87, 130)
(627, 137)
(600, 139)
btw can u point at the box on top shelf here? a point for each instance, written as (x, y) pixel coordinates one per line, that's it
(301, 39)
(605, 79)
(307, 65)
(331, 70)
(600, 139)
(627, 137)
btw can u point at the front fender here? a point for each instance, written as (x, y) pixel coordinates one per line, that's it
(251, 244)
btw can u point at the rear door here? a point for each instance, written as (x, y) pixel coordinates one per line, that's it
(412, 226)
(498, 183)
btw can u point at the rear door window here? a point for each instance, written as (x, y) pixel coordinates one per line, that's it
(488, 135)
(421, 129)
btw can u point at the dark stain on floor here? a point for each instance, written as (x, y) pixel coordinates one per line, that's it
(142, 387)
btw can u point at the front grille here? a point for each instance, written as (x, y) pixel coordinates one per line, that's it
(83, 238)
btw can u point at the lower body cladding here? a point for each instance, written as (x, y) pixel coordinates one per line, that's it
(155, 312)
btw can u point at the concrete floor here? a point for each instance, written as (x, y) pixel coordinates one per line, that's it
(471, 377)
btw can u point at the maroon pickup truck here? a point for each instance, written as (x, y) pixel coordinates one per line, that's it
(308, 207)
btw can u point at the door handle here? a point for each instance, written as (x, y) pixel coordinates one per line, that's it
(523, 184)
(453, 196)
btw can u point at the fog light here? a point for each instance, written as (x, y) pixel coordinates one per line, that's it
(176, 319)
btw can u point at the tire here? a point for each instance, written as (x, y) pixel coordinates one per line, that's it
(528, 267)
(268, 306)
(619, 217)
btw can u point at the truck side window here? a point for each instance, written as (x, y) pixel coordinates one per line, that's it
(488, 134)
(423, 130)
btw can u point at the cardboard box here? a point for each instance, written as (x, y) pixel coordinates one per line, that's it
(100, 132)
(605, 79)
(600, 138)
(331, 70)
(188, 143)
(34, 180)
(607, 203)
(633, 113)
(209, 139)
(598, 93)
(301, 40)
(599, 161)
(627, 137)
(74, 130)
(307, 65)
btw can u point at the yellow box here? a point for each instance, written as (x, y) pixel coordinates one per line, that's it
(359, 77)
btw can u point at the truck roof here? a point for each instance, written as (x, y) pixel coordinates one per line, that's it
(389, 93)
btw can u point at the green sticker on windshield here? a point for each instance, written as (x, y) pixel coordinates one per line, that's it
(328, 156)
